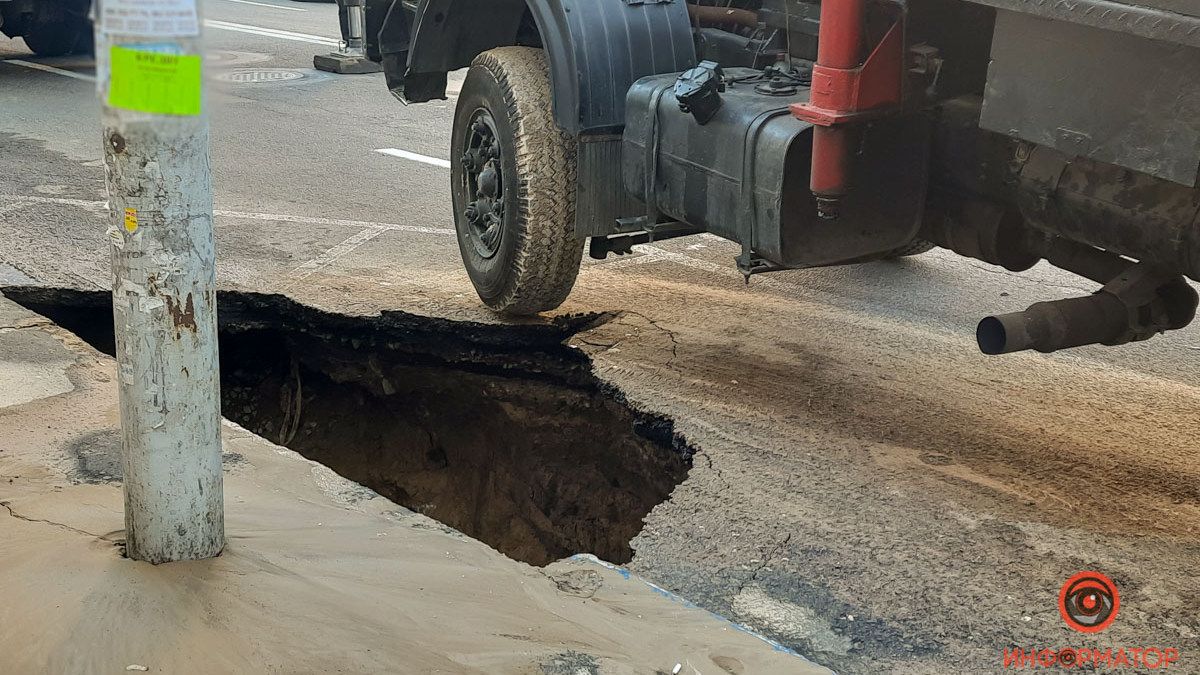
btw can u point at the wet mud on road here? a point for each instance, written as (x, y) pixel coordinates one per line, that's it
(866, 487)
(860, 512)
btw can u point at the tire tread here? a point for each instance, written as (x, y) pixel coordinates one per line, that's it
(548, 254)
(915, 247)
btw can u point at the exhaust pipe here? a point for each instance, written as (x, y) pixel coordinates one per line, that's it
(1137, 305)
(1051, 326)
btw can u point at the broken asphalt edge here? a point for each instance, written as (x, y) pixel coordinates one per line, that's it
(557, 332)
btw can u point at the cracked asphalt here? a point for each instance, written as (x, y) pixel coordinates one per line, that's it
(869, 490)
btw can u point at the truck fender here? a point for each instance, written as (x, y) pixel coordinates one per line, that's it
(596, 48)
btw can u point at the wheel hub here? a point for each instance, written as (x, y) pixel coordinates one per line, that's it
(483, 175)
(489, 181)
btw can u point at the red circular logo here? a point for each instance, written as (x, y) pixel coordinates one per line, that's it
(1089, 602)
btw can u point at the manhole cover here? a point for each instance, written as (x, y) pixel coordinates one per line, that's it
(262, 76)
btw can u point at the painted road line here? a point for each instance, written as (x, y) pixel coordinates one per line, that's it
(95, 206)
(369, 230)
(50, 69)
(333, 255)
(271, 32)
(38, 199)
(640, 256)
(267, 4)
(424, 159)
(15, 206)
(337, 222)
(101, 205)
(12, 275)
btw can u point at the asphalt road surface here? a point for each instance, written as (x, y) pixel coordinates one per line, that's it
(869, 489)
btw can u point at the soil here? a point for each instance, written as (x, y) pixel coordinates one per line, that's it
(537, 470)
(531, 454)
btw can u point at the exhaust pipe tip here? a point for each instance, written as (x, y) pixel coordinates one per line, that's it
(1001, 334)
(1048, 327)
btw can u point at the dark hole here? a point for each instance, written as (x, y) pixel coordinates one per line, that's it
(991, 336)
(501, 432)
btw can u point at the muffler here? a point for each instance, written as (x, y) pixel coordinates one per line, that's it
(1139, 304)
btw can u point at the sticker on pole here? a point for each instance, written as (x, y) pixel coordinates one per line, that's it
(149, 18)
(153, 82)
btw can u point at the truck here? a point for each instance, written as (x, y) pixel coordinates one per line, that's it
(815, 133)
(49, 27)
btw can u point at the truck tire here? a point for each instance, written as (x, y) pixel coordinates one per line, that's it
(57, 37)
(86, 45)
(916, 247)
(513, 185)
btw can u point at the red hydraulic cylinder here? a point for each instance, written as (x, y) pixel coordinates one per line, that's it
(839, 48)
(832, 153)
(841, 37)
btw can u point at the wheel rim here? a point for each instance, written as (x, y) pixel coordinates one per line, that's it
(483, 184)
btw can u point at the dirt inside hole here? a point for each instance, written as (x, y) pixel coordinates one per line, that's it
(501, 432)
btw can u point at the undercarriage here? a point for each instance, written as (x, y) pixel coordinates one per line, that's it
(49, 27)
(817, 134)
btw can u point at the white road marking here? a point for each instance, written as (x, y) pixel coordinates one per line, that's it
(38, 199)
(279, 217)
(50, 69)
(11, 274)
(267, 4)
(15, 206)
(333, 255)
(727, 271)
(244, 215)
(95, 206)
(424, 159)
(640, 256)
(271, 32)
(370, 230)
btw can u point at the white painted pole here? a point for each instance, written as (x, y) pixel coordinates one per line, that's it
(159, 182)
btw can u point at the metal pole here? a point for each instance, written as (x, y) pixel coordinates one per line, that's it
(355, 10)
(156, 156)
(351, 58)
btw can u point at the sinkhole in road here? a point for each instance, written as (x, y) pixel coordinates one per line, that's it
(501, 432)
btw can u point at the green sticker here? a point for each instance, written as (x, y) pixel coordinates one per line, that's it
(166, 84)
